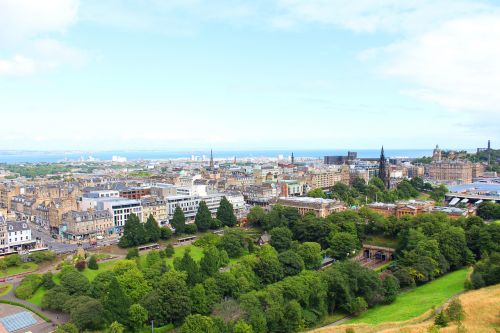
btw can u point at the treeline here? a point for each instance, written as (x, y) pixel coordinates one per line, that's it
(240, 287)
(135, 233)
(360, 192)
(489, 211)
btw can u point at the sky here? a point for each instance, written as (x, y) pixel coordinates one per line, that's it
(291, 74)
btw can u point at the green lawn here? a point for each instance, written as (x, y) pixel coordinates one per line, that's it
(417, 301)
(23, 268)
(380, 240)
(105, 266)
(37, 296)
(5, 288)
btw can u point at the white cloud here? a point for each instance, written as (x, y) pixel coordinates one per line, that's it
(456, 65)
(369, 16)
(45, 54)
(24, 27)
(21, 19)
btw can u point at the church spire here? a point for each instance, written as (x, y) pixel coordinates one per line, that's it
(293, 159)
(211, 160)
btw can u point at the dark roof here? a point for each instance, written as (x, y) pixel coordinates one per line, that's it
(17, 226)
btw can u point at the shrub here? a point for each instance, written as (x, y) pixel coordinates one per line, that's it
(441, 319)
(191, 229)
(42, 256)
(80, 265)
(13, 260)
(165, 233)
(169, 251)
(132, 253)
(455, 311)
(93, 263)
(48, 282)
(28, 286)
(207, 241)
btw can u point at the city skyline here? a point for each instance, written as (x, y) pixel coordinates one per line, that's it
(124, 75)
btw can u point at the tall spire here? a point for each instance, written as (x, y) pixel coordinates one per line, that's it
(211, 160)
(382, 169)
(293, 159)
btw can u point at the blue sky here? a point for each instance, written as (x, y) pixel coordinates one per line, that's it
(293, 74)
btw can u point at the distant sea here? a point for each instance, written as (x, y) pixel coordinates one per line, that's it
(132, 155)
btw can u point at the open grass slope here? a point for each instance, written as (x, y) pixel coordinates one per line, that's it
(410, 308)
(481, 315)
(415, 302)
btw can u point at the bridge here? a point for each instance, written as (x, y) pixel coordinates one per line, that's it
(473, 198)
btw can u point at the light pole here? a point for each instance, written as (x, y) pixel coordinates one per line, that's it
(152, 326)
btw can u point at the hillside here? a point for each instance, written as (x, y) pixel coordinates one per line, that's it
(482, 315)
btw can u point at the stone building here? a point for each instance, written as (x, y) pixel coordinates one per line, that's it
(87, 224)
(320, 207)
(154, 206)
(450, 170)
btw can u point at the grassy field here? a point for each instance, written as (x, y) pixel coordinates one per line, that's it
(480, 316)
(379, 240)
(415, 302)
(25, 267)
(5, 288)
(37, 297)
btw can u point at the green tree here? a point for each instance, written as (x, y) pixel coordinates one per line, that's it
(391, 289)
(311, 254)
(169, 251)
(437, 193)
(357, 306)
(203, 218)
(281, 238)
(316, 193)
(198, 324)
(342, 245)
(170, 302)
(191, 267)
(88, 315)
(99, 287)
(178, 221)
(133, 284)
(152, 229)
(133, 232)
(116, 304)
(292, 316)
(268, 266)
(210, 262)
(359, 184)
(165, 233)
(233, 242)
(132, 253)
(292, 262)
(256, 216)
(75, 283)
(137, 316)
(55, 298)
(225, 213)
(199, 300)
(67, 328)
(116, 327)
(48, 282)
(242, 327)
(93, 263)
